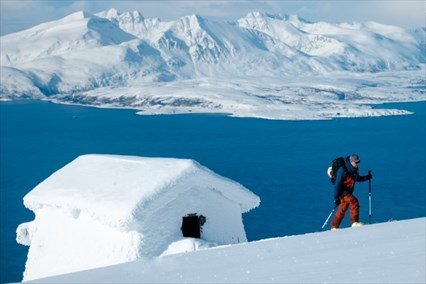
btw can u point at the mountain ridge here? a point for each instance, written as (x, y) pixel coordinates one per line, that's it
(82, 53)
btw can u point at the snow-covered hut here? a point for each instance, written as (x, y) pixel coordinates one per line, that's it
(101, 210)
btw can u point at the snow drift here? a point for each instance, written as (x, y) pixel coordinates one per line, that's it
(262, 65)
(392, 252)
(101, 210)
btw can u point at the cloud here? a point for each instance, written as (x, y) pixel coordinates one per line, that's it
(18, 15)
(407, 14)
(171, 10)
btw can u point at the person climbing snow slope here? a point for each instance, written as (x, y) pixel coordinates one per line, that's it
(344, 186)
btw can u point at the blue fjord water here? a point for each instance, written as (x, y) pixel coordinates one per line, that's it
(284, 162)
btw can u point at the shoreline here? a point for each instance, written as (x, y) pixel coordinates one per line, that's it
(372, 107)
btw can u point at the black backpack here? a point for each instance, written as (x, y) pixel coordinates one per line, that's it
(335, 165)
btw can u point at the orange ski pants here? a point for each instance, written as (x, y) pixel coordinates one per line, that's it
(346, 201)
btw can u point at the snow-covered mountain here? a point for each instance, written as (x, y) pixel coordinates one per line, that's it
(74, 59)
(77, 31)
(392, 252)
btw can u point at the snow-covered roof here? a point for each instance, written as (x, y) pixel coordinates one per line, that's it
(112, 188)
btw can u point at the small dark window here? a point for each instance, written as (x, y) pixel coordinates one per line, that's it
(191, 225)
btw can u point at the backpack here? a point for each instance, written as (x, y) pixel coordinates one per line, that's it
(335, 165)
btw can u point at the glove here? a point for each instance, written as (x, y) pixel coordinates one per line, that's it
(369, 177)
(336, 201)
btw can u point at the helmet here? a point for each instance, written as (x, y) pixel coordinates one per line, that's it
(329, 171)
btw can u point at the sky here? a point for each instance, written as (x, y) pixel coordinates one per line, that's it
(18, 15)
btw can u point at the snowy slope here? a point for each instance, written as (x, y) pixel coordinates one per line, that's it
(78, 31)
(389, 252)
(114, 59)
(295, 98)
(357, 47)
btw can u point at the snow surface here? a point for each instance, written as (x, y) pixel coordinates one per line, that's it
(271, 98)
(113, 188)
(392, 252)
(101, 210)
(187, 245)
(263, 65)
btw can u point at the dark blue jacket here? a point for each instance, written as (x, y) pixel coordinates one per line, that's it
(345, 179)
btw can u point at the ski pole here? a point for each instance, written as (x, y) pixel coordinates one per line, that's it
(328, 218)
(369, 198)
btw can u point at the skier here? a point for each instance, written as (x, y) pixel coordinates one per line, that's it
(346, 176)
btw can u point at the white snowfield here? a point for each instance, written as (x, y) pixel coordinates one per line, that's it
(262, 65)
(392, 252)
(101, 210)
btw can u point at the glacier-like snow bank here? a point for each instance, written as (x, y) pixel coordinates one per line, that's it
(102, 210)
(60, 243)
